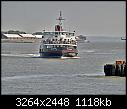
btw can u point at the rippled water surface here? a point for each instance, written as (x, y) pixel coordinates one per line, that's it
(24, 72)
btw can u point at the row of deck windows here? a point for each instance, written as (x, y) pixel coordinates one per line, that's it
(57, 33)
(59, 42)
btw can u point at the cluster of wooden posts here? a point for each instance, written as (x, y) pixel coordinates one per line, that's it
(116, 69)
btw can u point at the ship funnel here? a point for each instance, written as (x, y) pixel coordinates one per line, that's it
(58, 28)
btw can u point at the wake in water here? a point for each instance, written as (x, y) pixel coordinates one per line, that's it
(98, 53)
(52, 76)
(21, 55)
(35, 56)
(104, 53)
(76, 57)
(87, 51)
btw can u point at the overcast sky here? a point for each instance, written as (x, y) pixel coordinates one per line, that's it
(96, 18)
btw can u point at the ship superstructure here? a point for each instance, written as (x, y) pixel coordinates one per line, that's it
(58, 43)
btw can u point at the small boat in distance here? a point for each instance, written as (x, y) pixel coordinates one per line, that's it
(58, 43)
(123, 38)
(82, 39)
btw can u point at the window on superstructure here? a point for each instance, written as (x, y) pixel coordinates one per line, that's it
(63, 33)
(56, 33)
(71, 34)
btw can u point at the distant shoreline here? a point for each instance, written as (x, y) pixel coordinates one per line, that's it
(20, 40)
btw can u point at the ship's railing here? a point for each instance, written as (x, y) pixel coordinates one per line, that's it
(56, 41)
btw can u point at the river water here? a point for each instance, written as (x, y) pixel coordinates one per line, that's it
(24, 72)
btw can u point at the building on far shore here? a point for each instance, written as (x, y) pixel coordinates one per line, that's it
(18, 35)
(3, 36)
(38, 35)
(19, 38)
(27, 36)
(11, 36)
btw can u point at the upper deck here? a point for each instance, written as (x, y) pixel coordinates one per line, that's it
(51, 33)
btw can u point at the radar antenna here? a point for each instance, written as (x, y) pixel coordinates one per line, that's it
(60, 19)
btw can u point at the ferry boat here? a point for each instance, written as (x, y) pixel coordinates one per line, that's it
(58, 43)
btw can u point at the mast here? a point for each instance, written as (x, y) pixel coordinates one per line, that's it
(60, 20)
